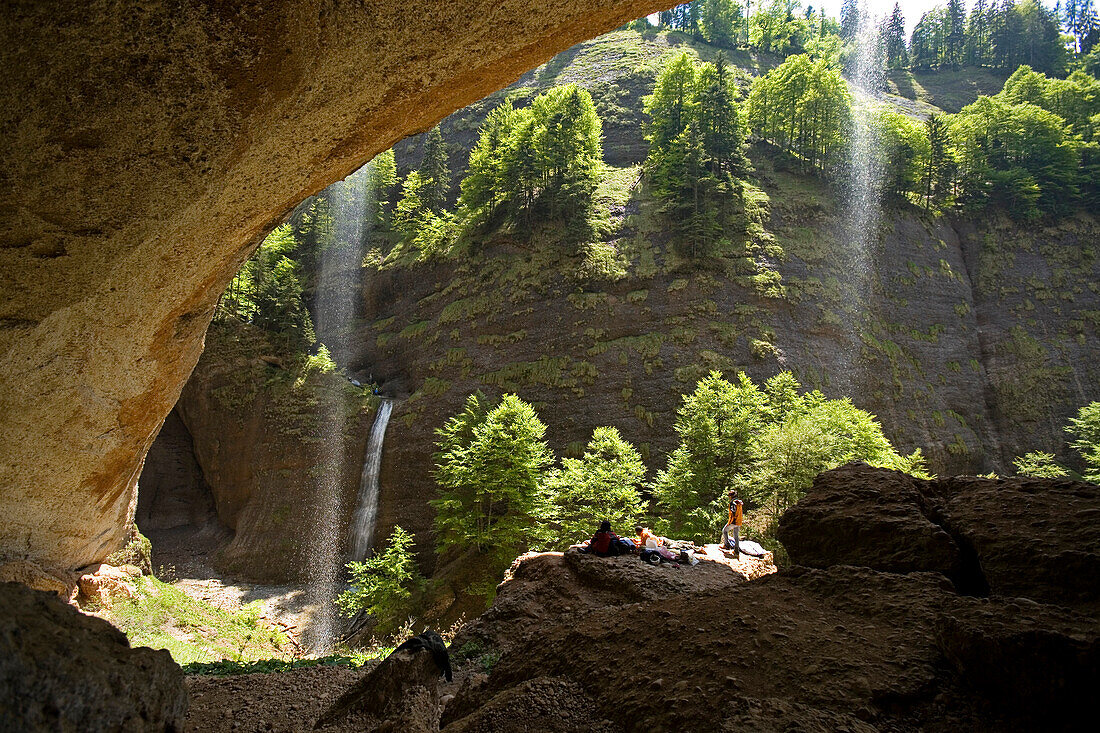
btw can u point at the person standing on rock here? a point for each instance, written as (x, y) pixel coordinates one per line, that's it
(733, 526)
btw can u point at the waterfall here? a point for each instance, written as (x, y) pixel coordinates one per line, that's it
(337, 295)
(366, 511)
(864, 188)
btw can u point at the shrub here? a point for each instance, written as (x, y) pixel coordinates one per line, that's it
(385, 586)
(1086, 427)
(1039, 465)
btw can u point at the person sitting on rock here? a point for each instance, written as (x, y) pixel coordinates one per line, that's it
(645, 534)
(606, 543)
(733, 526)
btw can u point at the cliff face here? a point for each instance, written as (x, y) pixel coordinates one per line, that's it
(976, 345)
(971, 338)
(267, 434)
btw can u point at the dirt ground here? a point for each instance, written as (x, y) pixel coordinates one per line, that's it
(291, 701)
(184, 558)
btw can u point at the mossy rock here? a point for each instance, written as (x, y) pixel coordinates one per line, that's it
(138, 551)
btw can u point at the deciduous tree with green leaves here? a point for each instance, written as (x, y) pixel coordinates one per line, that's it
(603, 484)
(767, 443)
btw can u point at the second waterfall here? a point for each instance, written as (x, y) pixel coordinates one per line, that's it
(366, 508)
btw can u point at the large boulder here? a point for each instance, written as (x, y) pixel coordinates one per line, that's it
(61, 670)
(400, 695)
(550, 587)
(1035, 538)
(34, 576)
(858, 515)
(840, 648)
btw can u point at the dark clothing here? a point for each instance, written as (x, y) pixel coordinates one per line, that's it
(604, 544)
(434, 643)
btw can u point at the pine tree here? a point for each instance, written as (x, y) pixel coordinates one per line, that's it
(937, 166)
(894, 39)
(435, 172)
(720, 121)
(717, 21)
(956, 32)
(490, 465)
(849, 20)
(545, 157)
(672, 105)
(1086, 428)
(385, 586)
(923, 53)
(978, 51)
(1006, 35)
(381, 183)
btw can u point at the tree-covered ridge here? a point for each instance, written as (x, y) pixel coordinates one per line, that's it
(1002, 35)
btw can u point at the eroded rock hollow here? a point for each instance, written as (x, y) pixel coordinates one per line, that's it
(146, 149)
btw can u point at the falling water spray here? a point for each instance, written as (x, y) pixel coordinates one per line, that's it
(338, 292)
(864, 190)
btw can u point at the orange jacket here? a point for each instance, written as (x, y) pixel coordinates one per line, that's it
(735, 512)
(646, 535)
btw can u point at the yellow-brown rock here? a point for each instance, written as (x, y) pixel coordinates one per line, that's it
(100, 583)
(146, 149)
(34, 576)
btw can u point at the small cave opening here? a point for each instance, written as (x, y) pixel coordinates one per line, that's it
(176, 509)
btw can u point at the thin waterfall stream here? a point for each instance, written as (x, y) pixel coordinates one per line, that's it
(337, 296)
(863, 202)
(366, 510)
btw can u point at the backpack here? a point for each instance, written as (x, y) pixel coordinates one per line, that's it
(601, 543)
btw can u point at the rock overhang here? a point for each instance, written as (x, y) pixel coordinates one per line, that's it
(149, 150)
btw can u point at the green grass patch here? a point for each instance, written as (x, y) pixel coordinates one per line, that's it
(162, 616)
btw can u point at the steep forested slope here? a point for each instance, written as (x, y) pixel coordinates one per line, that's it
(972, 337)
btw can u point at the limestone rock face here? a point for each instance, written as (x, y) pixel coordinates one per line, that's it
(1035, 538)
(260, 452)
(103, 583)
(34, 576)
(857, 515)
(147, 149)
(173, 491)
(63, 670)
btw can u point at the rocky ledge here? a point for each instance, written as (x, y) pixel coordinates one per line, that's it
(958, 603)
